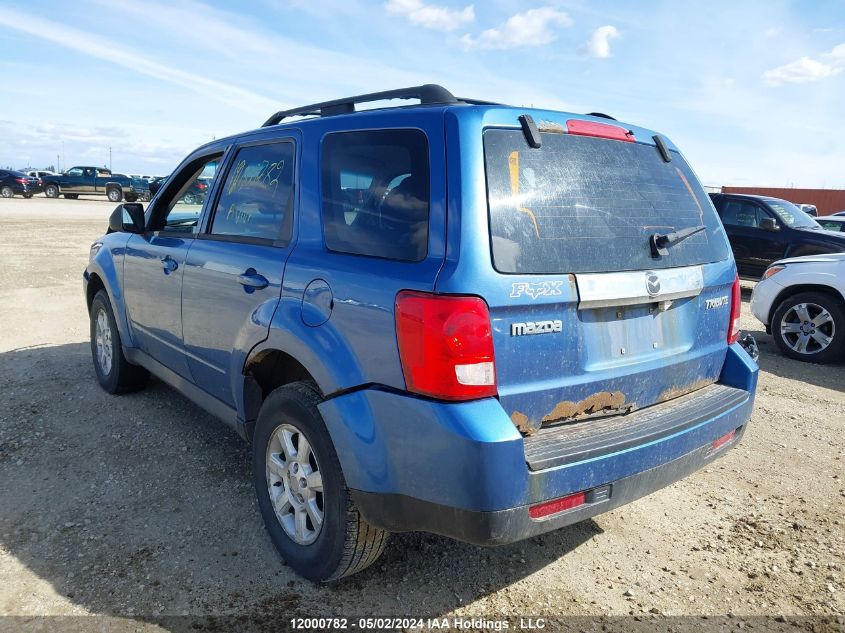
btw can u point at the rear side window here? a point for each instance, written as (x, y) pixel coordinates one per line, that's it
(580, 204)
(375, 188)
(257, 197)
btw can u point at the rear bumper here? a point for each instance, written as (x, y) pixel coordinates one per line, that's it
(464, 471)
(398, 513)
(25, 189)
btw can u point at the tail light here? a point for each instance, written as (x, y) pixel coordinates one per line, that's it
(736, 305)
(201, 186)
(445, 345)
(22, 181)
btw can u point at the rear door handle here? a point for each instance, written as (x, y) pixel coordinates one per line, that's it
(251, 280)
(169, 264)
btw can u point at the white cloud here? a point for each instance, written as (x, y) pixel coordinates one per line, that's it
(599, 43)
(431, 16)
(806, 69)
(534, 27)
(773, 31)
(109, 51)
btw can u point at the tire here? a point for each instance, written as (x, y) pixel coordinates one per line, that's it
(117, 375)
(51, 191)
(71, 196)
(189, 198)
(131, 197)
(810, 327)
(27, 195)
(146, 197)
(7, 192)
(344, 543)
(114, 194)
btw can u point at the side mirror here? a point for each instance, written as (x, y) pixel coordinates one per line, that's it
(127, 218)
(769, 224)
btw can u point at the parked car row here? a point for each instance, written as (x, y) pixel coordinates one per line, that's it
(800, 262)
(93, 181)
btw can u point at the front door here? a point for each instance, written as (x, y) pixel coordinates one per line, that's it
(754, 247)
(73, 180)
(233, 274)
(154, 266)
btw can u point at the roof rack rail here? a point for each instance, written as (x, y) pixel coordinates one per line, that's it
(428, 94)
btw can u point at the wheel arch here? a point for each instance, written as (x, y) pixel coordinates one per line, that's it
(267, 369)
(795, 289)
(95, 284)
(102, 274)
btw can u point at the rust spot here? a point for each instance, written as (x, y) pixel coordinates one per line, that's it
(522, 423)
(677, 391)
(596, 403)
(601, 402)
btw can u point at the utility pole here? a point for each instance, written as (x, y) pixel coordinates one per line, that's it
(109, 157)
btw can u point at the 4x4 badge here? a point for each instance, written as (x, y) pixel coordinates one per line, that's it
(536, 289)
(652, 284)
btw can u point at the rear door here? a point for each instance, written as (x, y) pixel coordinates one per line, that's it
(233, 273)
(588, 320)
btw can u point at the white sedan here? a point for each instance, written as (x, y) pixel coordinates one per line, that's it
(801, 301)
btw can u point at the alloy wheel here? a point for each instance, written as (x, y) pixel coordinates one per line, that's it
(807, 328)
(103, 340)
(295, 484)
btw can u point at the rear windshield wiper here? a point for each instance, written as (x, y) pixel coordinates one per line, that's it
(660, 242)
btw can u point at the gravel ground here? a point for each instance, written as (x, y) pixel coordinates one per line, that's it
(142, 505)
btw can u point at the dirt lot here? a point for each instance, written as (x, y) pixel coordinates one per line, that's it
(141, 505)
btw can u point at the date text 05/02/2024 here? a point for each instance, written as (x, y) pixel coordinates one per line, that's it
(405, 623)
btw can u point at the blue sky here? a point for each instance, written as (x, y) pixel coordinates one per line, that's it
(752, 92)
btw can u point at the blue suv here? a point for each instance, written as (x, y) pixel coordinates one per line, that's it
(465, 318)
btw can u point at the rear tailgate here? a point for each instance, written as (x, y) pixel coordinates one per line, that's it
(587, 321)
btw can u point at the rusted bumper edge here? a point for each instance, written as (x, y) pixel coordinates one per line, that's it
(400, 513)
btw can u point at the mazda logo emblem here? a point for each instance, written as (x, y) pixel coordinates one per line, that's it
(652, 284)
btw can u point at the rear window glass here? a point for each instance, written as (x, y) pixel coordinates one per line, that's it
(581, 204)
(376, 193)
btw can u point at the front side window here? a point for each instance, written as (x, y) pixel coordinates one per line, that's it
(257, 197)
(375, 188)
(76, 171)
(178, 211)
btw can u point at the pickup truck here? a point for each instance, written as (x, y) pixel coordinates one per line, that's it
(90, 181)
